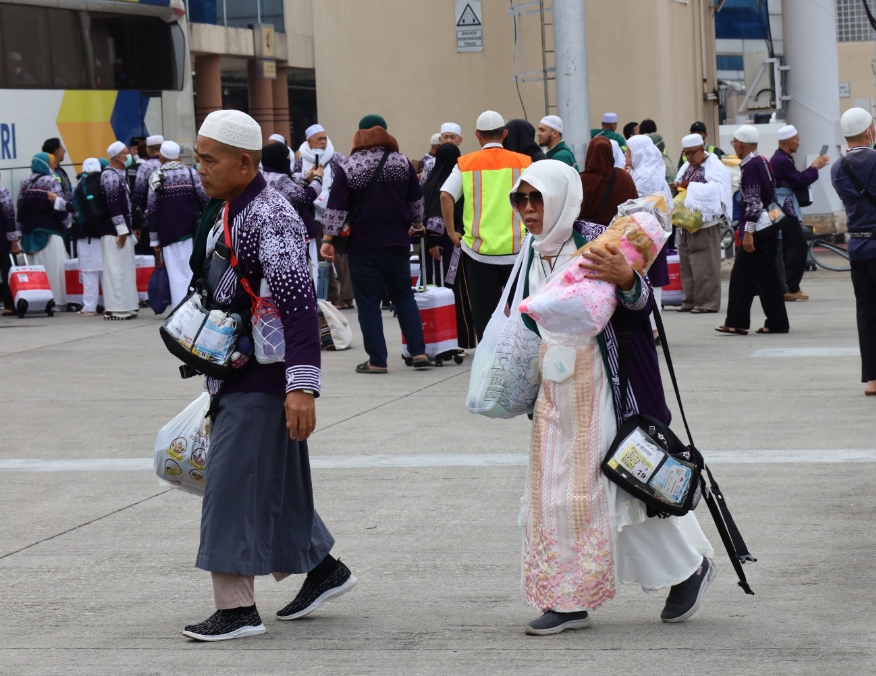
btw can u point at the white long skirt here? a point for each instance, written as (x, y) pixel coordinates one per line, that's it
(52, 258)
(176, 260)
(582, 534)
(119, 275)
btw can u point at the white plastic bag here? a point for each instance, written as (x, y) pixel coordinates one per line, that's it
(504, 373)
(334, 329)
(181, 448)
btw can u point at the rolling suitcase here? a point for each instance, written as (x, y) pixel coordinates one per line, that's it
(144, 267)
(30, 289)
(437, 307)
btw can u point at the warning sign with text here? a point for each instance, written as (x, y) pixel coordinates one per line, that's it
(469, 29)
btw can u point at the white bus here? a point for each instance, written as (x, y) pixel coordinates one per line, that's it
(91, 72)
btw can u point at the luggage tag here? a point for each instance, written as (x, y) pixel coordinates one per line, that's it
(559, 363)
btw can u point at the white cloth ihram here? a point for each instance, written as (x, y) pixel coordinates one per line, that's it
(176, 260)
(713, 198)
(308, 162)
(119, 275)
(52, 258)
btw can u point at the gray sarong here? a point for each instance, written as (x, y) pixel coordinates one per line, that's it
(257, 516)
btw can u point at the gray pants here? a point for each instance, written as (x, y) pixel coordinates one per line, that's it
(699, 256)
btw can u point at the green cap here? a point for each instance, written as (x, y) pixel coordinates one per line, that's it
(372, 120)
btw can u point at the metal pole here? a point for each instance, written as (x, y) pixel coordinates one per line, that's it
(573, 92)
(224, 14)
(258, 11)
(813, 86)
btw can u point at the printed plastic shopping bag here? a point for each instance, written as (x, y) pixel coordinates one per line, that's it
(181, 448)
(685, 218)
(504, 373)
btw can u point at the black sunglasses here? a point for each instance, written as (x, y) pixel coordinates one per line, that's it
(519, 199)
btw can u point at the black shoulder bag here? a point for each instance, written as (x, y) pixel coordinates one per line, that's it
(341, 241)
(653, 465)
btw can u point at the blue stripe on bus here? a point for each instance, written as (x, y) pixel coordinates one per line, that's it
(127, 117)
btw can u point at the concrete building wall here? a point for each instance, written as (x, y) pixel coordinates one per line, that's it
(856, 66)
(398, 58)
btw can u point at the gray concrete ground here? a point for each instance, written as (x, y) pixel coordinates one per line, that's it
(96, 568)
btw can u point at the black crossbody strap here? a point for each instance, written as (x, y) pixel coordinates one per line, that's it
(368, 188)
(607, 195)
(662, 333)
(847, 167)
(718, 510)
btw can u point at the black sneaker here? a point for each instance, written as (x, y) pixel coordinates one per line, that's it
(556, 623)
(226, 624)
(684, 598)
(314, 593)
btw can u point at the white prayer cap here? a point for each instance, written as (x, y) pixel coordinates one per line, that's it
(233, 128)
(170, 150)
(609, 118)
(90, 165)
(692, 141)
(436, 139)
(115, 149)
(747, 134)
(789, 131)
(313, 130)
(451, 128)
(156, 140)
(553, 122)
(855, 121)
(489, 120)
(278, 138)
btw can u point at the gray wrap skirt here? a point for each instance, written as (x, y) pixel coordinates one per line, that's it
(257, 515)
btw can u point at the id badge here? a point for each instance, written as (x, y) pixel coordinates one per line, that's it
(559, 363)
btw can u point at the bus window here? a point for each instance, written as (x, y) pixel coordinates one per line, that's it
(26, 47)
(68, 56)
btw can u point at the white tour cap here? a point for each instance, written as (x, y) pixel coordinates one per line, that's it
(451, 128)
(278, 138)
(747, 134)
(609, 118)
(489, 120)
(233, 128)
(855, 121)
(786, 132)
(115, 149)
(170, 150)
(436, 139)
(692, 141)
(313, 130)
(553, 122)
(156, 140)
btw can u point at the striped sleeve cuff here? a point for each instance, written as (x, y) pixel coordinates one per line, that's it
(303, 378)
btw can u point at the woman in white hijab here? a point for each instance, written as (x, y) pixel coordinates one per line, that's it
(649, 175)
(583, 535)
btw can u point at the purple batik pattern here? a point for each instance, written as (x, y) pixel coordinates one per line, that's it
(8, 228)
(141, 182)
(174, 203)
(297, 196)
(114, 188)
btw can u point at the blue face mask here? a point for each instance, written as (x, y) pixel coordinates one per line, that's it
(129, 160)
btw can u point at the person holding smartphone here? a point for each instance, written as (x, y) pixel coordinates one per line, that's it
(789, 183)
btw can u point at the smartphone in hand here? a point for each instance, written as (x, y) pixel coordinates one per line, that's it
(823, 150)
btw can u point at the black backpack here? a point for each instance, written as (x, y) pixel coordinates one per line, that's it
(89, 204)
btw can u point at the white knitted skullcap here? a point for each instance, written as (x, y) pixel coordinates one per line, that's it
(170, 150)
(436, 139)
(553, 122)
(451, 128)
(233, 128)
(115, 149)
(786, 132)
(277, 137)
(489, 120)
(747, 134)
(692, 141)
(855, 121)
(156, 140)
(90, 165)
(313, 130)
(609, 118)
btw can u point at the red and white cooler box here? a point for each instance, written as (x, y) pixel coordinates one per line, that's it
(31, 284)
(672, 292)
(144, 266)
(438, 314)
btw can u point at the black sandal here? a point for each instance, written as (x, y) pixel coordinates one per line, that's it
(366, 367)
(730, 331)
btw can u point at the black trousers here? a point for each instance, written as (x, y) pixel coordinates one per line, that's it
(794, 249)
(5, 264)
(755, 274)
(485, 283)
(864, 284)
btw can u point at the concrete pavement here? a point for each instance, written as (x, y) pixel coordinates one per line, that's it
(96, 567)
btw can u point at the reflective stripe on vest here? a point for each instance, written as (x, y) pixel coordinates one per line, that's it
(491, 228)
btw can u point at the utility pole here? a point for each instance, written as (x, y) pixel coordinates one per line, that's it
(573, 89)
(809, 33)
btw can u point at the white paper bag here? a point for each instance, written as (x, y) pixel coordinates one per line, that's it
(181, 448)
(504, 379)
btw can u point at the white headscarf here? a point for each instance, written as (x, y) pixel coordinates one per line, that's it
(620, 160)
(560, 185)
(649, 171)
(308, 160)
(90, 165)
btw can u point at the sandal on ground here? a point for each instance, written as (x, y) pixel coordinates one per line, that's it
(423, 362)
(730, 331)
(868, 393)
(366, 367)
(685, 309)
(764, 329)
(702, 311)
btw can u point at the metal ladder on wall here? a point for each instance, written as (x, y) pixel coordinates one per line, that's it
(520, 13)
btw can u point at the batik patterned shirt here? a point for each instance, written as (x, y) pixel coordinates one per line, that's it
(140, 197)
(174, 203)
(114, 188)
(756, 190)
(8, 228)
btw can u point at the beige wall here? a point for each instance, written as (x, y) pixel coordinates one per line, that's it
(398, 58)
(856, 68)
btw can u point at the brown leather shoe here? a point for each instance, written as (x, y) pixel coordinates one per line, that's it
(791, 297)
